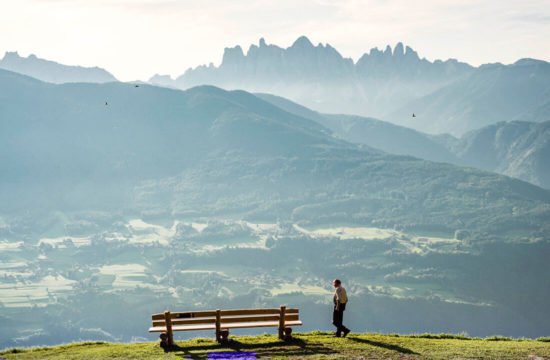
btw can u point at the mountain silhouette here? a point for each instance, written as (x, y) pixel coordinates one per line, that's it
(391, 84)
(51, 71)
(319, 77)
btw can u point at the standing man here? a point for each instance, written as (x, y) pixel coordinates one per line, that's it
(340, 301)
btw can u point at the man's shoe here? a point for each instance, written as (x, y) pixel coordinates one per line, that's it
(346, 332)
(337, 335)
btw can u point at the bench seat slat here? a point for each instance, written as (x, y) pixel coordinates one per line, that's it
(231, 312)
(227, 319)
(259, 324)
(232, 319)
(186, 315)
(208, 320)
(225, 326)
(184, 327)
(236, 312)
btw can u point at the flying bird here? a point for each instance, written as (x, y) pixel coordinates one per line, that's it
(106, 103)
(136, 85)
(414, 115)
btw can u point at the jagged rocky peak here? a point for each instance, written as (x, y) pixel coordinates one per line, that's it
(399, 50)
(159, 79)
(409, 52)
(233, 55)
(374, 52)
(389, 60)
(14, 56)
(11, 55)
(302, 42)
(330, 49)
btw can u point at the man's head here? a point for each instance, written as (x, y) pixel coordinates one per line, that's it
(336, 283)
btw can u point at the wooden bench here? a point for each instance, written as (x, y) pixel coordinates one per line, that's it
(222, 320)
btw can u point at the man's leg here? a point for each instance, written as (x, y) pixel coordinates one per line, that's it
(344, 329)
(337, 321)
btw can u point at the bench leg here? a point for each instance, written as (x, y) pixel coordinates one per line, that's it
(164, 341)
(224, 336)
(288, 334)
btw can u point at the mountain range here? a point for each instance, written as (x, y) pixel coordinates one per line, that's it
(53, 72)
(445, 96)
(391, 84)
(493, 93)
(321, 78)
(207, 150)
(517, 148)
(383, 135)
(488, 93)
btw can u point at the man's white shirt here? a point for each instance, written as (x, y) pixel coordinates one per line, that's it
(340, 295)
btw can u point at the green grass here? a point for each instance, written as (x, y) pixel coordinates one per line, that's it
(313, 345)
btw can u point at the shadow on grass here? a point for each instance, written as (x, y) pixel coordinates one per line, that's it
(383, 345)
(271, 348)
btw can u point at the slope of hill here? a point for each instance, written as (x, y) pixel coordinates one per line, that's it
(313, 345)
(490, 94)
(519, 149)
(393, 139)
(321, 78)
(537, 114)
(53, 72)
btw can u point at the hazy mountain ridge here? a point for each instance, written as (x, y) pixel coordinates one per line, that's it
(393, 139)
(492, 93)
(53, 72)
(517, 149)
(321, 78)
(446, 96)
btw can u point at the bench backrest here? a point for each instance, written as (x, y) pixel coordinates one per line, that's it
(220, 317)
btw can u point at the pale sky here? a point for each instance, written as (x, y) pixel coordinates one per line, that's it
(134, 39)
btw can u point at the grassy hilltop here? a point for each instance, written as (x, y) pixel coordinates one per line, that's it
(314, 345)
